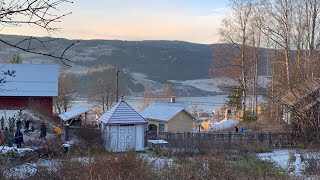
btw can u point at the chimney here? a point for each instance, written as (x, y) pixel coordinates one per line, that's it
(173, 99)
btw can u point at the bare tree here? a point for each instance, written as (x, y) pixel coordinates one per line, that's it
(39, 14)
(163, 95)
(65, 93)
(104, 93)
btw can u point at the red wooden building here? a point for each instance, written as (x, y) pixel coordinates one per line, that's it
(32, 86)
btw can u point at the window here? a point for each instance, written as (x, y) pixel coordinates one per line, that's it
(161, 127)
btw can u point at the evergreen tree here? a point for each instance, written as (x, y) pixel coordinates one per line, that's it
(235, 98)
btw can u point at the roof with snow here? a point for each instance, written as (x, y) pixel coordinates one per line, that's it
(122, 113)
(39, 80)
(164, 111)
(73, 113)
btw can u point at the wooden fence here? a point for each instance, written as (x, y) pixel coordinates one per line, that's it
(225, 140)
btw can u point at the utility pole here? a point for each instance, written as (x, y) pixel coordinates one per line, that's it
(117, 85)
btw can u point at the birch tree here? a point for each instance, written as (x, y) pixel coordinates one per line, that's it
(236, 30)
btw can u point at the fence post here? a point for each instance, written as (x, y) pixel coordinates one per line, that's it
(270, 140)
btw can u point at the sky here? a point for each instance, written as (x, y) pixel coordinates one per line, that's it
(185, 20)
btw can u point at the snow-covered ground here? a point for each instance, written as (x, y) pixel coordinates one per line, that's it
(210, 85)
(293, 161)
(225, 124)
(6, 149)
(27, 169)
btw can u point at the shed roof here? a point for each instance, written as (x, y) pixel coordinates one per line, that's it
(164, 111)
(36, 80)
(74, 113)
(122, 113)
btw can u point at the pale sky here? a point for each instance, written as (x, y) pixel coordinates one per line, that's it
(186, 20)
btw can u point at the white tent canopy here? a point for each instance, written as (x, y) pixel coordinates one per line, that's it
(74, 113)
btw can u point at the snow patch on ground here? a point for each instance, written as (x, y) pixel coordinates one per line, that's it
(156, 161)
(6, 149)
(27, 169)
(290, 160)
(225, 124)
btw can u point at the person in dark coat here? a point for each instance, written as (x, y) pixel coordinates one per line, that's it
(2, 123)
(14, 119)
(11, 124)
(237, 129)
(18, 138)
(43, 130)
(8, 137)
(26, 126)
(19, 124)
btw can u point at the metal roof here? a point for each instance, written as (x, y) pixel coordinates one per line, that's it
(122, 113)
(74, 113)
(163, 111)
(39, 80)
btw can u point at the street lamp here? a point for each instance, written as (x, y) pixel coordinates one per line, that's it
(117, 85)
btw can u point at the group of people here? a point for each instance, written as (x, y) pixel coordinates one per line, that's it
(7, 134)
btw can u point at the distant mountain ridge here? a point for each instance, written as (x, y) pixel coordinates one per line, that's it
(159, 60)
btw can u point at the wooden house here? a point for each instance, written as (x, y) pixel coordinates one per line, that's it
(122, 128)
(168, 117)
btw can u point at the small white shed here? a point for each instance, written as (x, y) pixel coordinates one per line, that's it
(122, 128)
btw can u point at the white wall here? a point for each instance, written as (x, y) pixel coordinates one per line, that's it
(139, 146)
(110, 136)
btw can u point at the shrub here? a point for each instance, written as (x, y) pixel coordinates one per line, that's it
(249, 116)
(312, 167)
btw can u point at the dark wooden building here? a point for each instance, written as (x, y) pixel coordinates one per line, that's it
(31, 86)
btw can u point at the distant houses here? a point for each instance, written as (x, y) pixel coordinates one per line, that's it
(122, 128)
(32, 86)
(168, 117)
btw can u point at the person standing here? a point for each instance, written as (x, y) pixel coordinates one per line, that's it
(8, 136)
(18, 138)
(19, 124)
(43, 130)
(11, 124)
(14, 119)
(2, 123)
(26, 126)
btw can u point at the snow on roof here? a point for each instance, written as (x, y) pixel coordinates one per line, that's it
(73, 113)
(122, 113)
(29, 80)
(163, 111)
